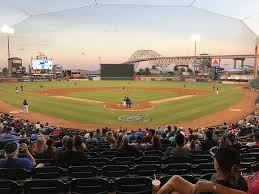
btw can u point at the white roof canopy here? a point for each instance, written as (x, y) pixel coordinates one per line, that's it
(13, 12)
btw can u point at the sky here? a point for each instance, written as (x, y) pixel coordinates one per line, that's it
(85, 37)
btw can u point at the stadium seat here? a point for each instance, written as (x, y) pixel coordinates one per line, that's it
(89, 186)
(250, 157)
(50, 172)
(9, 187)
(82, 172)
(153, 153)
(136, 185)
(255, 167)
(177, 169)
(189, 178)
(129, 161)
(172, 159)
(99, 162)
(146, 170)
(14, 174)
(253, 150)
(43, 186)
(46, 162)
(149, 160)
(92, 154)
(244, 167)
(109, 154)
(204, 168)
(99, 150)
(198, 159)
(115, 171)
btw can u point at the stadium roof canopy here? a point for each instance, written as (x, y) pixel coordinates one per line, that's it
(13, 12)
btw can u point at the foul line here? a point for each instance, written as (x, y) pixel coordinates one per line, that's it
(79, 99)
(170, 99)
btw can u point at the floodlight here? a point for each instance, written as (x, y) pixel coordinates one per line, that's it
(195, 37)
(7, 29)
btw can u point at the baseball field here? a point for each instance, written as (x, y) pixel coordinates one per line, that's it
(99, 103)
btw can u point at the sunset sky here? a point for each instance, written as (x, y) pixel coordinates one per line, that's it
(78, 37)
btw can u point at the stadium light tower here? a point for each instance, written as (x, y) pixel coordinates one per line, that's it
(8, 30)
(195, 38)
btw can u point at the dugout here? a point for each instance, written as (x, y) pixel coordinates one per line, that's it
(117, 72)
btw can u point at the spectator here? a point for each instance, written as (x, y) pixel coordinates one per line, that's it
(232, 141)
(110, 137)
(91, 138)
(156, 144)
(39, 148)
(23, 138)
(35, 135)
(179, 150)
(7, 135)
(128, 150)
(255, 143)
(71, 156)
(12, 160)
(118, 142)
(49, 152)
(191, 144)
(98, 134)
(209, 142)
(225, 160)
(59, 150)
(164, 140)
(79, 144)
(139, 144)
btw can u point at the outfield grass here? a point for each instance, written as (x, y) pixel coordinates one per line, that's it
(170, 112)
(117, 95)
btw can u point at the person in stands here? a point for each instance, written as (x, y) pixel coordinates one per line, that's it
(50, 151)
(179, 150)
(192, 145)
(79, 144)
(255, 143)
(225, 160)
(156, 144)
(209, 142)
(71, 156)
(12, 160)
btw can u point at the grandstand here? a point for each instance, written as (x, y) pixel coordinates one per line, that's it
(135, 153)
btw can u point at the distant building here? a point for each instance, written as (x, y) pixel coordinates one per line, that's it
(15, 67)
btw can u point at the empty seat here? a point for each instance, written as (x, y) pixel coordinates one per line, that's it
(201, 158)
(89, 186)
(153, 153)
(129, 161)
(99, 162)
(250, 157)
(82, 172)
(92, 154)
(177, 169)
(255, 167)
(43, 186)
(173, 159)
(10, 187)
(149, 160)
(244, 167)
(14, 173)
(130, 185)
(146, 169)
(115, 171)
(109, 154)
(49, 172)
(253, 150)
(99, 150)
(204, 168)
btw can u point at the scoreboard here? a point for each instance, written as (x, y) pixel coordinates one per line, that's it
(117, 71)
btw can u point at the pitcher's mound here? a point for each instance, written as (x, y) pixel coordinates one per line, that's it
(138, 106)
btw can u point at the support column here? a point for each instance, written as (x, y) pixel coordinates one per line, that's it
(235, 64)
(256, 59)
(242, 63)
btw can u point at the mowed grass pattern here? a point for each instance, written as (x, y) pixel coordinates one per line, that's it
(117, 95)
(164, 113)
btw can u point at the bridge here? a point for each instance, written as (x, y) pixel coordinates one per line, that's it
(157, 59)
